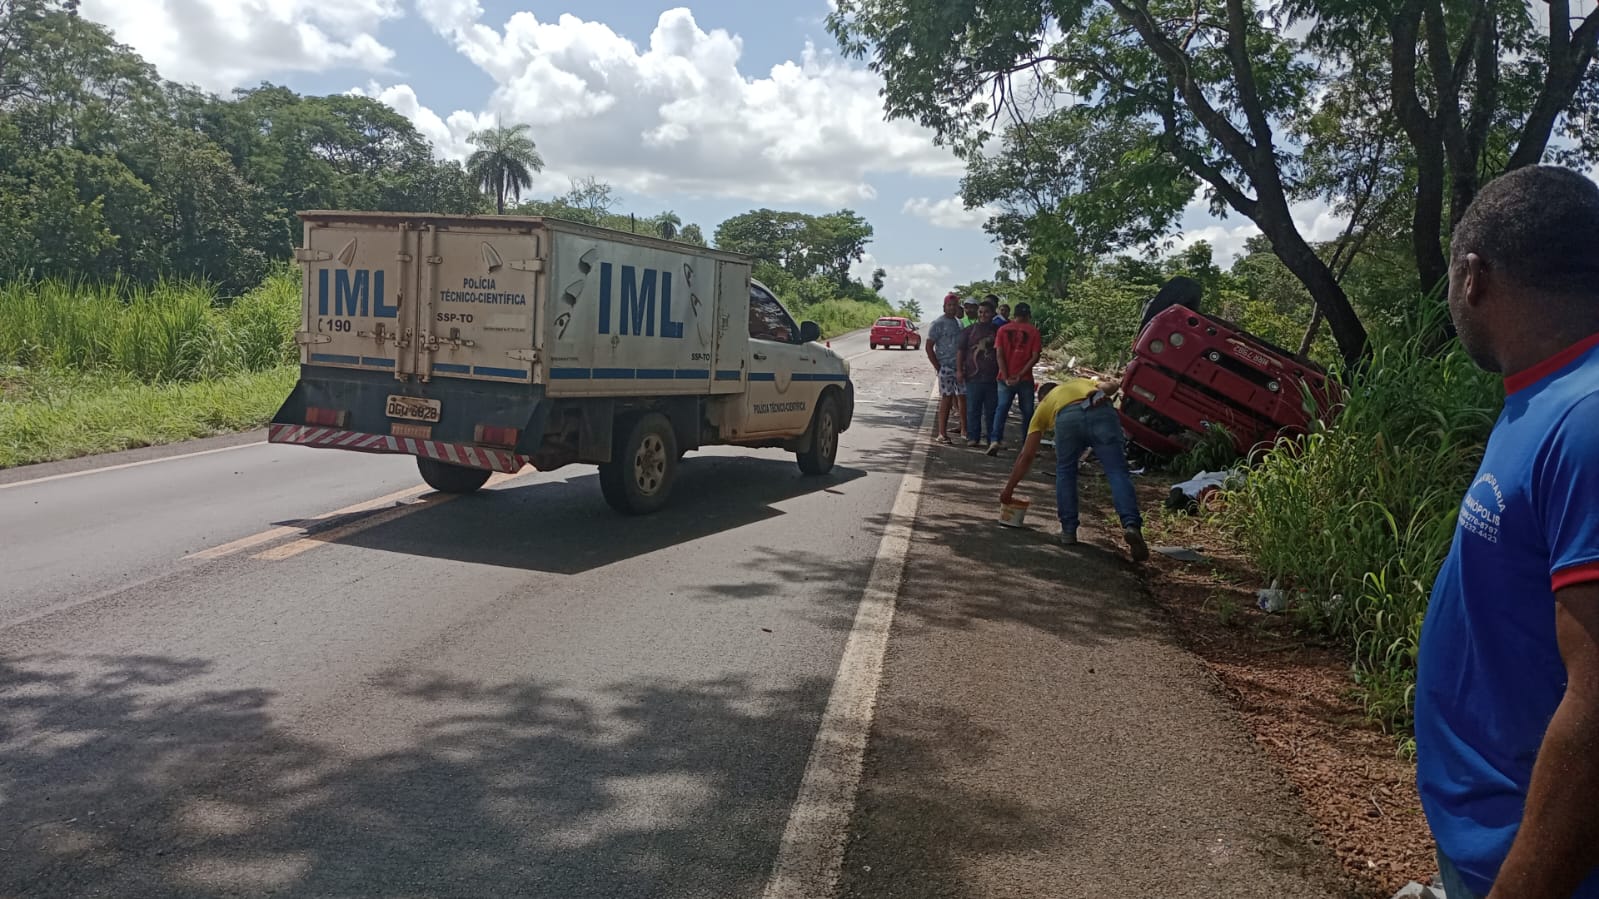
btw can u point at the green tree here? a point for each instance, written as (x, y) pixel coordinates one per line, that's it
(590, 200)
(667, 225)
(1476, 88)
(1163, 65)
(879, 276)
(1076, 186)
(802, 245)
(504, 163)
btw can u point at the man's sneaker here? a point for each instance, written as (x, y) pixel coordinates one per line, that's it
(982, 444)
(1068, 538)
(995, 447)
(1136, 544)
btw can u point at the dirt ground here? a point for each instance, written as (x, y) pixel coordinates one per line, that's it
(1296, 699)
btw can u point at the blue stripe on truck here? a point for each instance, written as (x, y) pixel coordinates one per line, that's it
(668, 374)
(451, 368)
(491, 372)
(335, 359)
(377, 361)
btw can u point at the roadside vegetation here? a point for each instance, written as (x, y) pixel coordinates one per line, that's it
(1352, 137)
(145, 230)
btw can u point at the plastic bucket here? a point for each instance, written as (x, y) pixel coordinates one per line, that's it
(1012, 514)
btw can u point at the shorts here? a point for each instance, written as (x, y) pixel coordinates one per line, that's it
(948, 384)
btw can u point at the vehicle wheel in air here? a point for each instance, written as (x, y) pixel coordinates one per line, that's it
(447, 478)
(1179, 291)
(819, 459)
(643, 466)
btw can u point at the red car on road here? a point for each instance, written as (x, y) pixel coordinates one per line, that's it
(895, 331)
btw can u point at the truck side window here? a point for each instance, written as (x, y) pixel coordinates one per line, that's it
(768, 319)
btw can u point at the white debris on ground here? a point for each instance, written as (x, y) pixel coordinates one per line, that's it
(1414, 890)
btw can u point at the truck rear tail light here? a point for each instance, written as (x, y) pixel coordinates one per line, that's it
(326, 418)
(494, 435)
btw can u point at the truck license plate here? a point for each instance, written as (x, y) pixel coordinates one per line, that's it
(415, 408)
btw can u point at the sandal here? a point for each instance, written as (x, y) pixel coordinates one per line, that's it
(941, 438)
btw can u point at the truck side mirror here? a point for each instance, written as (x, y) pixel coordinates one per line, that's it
(810, 332)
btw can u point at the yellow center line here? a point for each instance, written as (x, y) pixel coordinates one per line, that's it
(333, 535)
(278, 533)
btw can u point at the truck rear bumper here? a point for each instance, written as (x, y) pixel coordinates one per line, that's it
(356, 402)
(462, 454)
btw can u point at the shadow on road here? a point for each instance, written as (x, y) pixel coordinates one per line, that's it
(125, 777)
(566, 528)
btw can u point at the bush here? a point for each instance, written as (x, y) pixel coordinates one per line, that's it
(170, 332)
(842, 316)
(1365, 509)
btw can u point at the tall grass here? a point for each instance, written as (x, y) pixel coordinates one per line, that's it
(168, 332)
(46, 416)
(842, 316)
(1360, 514)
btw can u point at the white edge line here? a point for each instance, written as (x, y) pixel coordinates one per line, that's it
(89, 471)
(811, 855)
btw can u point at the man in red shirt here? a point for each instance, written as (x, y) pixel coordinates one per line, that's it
(1018, 346)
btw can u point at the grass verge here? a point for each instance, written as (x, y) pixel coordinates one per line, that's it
(46, 416)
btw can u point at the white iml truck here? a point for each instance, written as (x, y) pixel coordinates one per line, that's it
(485, 343)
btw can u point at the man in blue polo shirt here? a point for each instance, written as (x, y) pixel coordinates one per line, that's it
(1507, 692)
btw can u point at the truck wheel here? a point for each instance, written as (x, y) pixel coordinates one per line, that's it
(447, 478)
(643, 466)
(823, 453)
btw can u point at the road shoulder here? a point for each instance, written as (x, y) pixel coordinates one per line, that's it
(1039, 732)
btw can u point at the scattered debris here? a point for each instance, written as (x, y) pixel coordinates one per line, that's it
(1271, 599)
(1183, 553)
(1195, 492)
(1414, 890)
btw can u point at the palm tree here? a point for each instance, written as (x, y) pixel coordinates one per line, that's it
(667, 224)
(504, 163)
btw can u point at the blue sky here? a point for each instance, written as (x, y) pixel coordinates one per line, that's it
(709, 109)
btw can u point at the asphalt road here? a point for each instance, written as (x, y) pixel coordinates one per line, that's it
(222, 674)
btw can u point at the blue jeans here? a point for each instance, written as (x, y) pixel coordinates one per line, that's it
(1454, 886)
(980, 399)
(1023, 394)
(1078, 428)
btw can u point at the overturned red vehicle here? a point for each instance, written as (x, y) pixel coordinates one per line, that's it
(1191, 372)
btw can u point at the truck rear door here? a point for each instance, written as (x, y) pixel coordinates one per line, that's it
(480, 312)
(357, 280)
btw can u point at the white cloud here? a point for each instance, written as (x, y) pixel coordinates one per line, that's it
(1316, 221)
(222, 44)
(678, 116)
(949, 212)
(924, 282)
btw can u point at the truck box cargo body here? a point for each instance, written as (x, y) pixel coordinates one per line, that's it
(483, 343)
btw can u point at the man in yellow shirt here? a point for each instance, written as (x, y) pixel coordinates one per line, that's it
(1079, 414)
